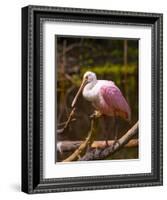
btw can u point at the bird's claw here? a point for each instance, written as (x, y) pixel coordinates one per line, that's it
(97, 113)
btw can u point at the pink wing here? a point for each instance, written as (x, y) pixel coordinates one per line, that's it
(116, 101)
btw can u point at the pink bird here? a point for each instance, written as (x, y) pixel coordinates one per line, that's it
(105, 96)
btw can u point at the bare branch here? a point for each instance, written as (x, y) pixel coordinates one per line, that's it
(88, 141)
(70, 47)
(66, 124)
(68, 77)
(67, 146)
(98, 154)
(63, 123)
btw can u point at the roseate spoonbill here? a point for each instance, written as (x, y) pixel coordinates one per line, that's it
(106, 97)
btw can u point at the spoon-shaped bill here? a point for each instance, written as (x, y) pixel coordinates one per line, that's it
(84, 82)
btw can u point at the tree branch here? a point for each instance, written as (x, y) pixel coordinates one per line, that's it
(88, 141)
(66, 124)
(67, 146)
(98, 154)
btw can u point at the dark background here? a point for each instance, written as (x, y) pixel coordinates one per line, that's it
(111, 59)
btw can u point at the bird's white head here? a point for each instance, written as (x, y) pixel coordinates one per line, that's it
(88, 77)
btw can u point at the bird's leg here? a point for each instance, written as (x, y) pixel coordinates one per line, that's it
(104, 130)
(115, 131)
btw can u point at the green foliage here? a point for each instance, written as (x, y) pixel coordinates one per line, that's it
(109, 69)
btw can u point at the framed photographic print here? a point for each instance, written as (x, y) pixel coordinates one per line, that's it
(91, 99)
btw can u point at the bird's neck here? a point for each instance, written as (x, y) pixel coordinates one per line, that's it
(88, 91)
(90, 85)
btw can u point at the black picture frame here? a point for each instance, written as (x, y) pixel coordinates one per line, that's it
(32, 85)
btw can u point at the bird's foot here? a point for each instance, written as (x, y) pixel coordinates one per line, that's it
(96, 114)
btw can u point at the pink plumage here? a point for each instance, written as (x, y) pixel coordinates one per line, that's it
(112, 102)
(105, 96)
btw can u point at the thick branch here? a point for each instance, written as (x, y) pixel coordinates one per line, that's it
(67, 146)
(98, 154)
(66, 124)
(88, 141)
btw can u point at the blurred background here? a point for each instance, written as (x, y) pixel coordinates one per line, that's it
(111, 59)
